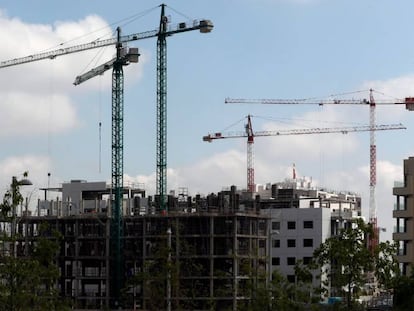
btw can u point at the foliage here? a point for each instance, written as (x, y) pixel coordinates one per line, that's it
(387, 270)
(11, 199)
(346, 259)
(404, 293)
(27, 282)
(349, 263)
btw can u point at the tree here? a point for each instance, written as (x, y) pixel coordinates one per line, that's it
(26, 282)
(387, 269)
(346, 259)
(404, 293)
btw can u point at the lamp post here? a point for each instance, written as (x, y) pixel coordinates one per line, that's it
(16, 199)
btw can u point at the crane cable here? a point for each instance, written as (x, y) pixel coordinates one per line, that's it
(100, 124)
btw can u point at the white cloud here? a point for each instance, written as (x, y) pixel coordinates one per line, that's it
(37, 95)
(26, 114)
(205, 176)
(399, 87)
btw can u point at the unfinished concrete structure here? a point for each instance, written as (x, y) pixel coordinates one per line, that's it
(206, 252)
(404, 217)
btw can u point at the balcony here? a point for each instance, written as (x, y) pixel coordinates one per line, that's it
(405, 213)
(402, 236)
(402, 191)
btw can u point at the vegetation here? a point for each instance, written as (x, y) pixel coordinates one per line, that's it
(348, 265)
(26, 282)
(346, 259)
(404, 293)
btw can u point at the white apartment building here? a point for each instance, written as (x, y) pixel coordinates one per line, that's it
(303, 217)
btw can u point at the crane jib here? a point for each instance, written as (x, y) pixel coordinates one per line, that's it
(202, 25)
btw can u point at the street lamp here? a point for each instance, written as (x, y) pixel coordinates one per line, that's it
(16, 199)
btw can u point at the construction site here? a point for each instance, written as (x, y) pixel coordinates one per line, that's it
(122, 248)
(206, 252)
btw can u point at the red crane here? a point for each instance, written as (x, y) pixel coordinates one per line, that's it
(250, 134)
(409, 105)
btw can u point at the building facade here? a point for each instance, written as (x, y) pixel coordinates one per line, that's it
(403, 215)
(206, 252)
(302, 217)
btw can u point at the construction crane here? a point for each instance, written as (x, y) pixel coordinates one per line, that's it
(409, 105)
(250, 134)
(165, 30)
(205, 26)
(124, 56)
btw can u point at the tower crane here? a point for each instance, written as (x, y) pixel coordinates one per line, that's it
(250, 134)
(409, 105)
(124, 56)
(165, 30)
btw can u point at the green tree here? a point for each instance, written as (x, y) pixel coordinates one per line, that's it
(346, 259)
(29, 282)
(387, 270)
(404, 293)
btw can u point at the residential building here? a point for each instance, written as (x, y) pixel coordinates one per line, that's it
(302, 217)
(404, 217)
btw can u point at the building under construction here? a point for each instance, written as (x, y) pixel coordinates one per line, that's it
(206, 252)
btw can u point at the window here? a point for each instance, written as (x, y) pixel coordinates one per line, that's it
(276, 243)
(291, 225)
(276, 225)
(307, 260)
(402, 249)
(262, 243)
(291, 278)
(307, 242)
(291, 243)
(308, 224)
(275, 261)
(291, 261)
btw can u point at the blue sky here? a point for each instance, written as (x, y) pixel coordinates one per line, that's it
(258, 49)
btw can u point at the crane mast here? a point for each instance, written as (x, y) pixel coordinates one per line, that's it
(117, 165)
(373, 239)
(161, 174)
(250, 164)
(250, 134)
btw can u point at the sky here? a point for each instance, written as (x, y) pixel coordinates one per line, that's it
(284, 49)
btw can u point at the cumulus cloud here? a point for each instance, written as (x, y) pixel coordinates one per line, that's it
(39, 94)
(26, 114)
(398, 87)
(209, 174)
